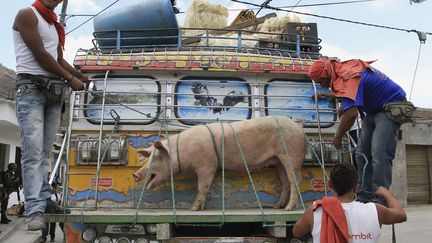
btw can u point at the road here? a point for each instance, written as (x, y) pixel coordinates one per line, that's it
(417, 229)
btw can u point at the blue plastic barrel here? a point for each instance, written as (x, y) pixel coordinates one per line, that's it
(147, 23)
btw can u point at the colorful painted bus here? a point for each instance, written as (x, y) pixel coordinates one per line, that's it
(142, 91)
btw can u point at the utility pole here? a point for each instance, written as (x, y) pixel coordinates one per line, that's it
(63, 13)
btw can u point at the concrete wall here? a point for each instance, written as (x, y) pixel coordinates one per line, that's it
(411, 134)
(9, 132)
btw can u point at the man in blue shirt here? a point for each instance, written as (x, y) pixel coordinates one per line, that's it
(361, 87)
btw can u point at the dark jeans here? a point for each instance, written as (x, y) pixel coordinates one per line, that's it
(4, 204)
(378, 140)
(51, 227)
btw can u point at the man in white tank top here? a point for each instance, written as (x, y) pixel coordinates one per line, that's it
(356, 222)
(39, 41)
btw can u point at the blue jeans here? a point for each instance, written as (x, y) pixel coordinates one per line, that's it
(38, 119)
(378, 140)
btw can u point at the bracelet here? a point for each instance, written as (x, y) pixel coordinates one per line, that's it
(72, 80)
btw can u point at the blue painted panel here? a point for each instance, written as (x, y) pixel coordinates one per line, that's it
(202, 99)
(294, 99)
(140, 95)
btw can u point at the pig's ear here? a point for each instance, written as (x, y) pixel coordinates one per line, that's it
(300, 122)
(159, 145)
(144, 152)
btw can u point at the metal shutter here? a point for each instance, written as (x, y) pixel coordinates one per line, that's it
(418, 174)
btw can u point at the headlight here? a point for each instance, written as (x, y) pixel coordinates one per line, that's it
(141, 240)
(85, 150)
(295, 241)
(151, 228)
(103, 239)
(96, 148)
(114, 150)
(122, 240)
(89, 234)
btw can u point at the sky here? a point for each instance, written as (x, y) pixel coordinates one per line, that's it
(396, 52)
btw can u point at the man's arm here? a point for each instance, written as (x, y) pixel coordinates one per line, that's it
(304, 225)
(348, 119)
(394, 213)
(26, 23)
(69, 68)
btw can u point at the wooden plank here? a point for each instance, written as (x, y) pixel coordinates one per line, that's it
(114, 215)
(231, 28)
(242, 25)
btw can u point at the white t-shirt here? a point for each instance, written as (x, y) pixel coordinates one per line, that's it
(363, 224)
(26, 62)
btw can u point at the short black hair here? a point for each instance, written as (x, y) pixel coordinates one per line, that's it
(344, 178)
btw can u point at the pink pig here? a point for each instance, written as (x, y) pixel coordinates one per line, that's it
(261, 142)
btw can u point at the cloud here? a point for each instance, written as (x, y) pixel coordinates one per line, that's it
(83, 6)
(73, 44)
(385, 4)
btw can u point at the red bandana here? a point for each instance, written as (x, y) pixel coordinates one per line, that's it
(51, 17)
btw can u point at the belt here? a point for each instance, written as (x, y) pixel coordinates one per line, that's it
(26, 78)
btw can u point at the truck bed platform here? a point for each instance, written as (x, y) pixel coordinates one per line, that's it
(116, 215)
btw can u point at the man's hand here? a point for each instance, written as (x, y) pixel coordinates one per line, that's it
(323, 95)
(382, 192)
(316, 96)
(337, 142)
(84, 79)
(76, 84)
(394, 213)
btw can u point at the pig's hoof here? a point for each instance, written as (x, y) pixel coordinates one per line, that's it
(290, 206)
(277, 205)
(197, 207)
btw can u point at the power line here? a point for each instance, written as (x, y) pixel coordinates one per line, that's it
(313, 4)
(263, 5)
(415, 71)
(332, 18)
(83, 23)
(295, 5)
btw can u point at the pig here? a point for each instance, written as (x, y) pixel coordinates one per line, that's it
(192, 151)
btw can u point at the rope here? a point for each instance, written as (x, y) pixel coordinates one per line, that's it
(116, 118)
(312, 148)
(248, 172)
(222, 161)
(171, 173)
(289, 160)
(364, 157)
(141, 198)
(213, 139)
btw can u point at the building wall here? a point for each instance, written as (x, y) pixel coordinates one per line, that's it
(411, 134)
(9, 133)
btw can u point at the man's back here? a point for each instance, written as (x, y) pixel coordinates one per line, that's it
(363, 224)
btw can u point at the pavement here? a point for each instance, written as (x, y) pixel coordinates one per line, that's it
(417, 229)
(16, 232)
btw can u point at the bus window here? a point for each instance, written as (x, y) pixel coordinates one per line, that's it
(136, 101)
(201, 100)
(294, 99)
